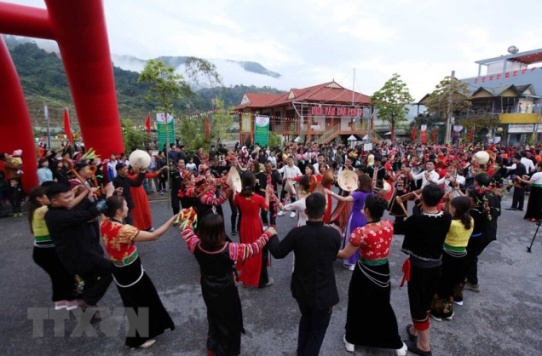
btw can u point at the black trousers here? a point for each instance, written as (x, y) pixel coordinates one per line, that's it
(175, 203)
(235, 218)
(264, 276)
(63, 282)
(518, 198)
(312, 329)
(97, 280)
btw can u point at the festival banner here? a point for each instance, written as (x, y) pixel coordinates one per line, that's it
(261, 130)
(414, 133)
(166, 130)
(423, 135)
(246, 122)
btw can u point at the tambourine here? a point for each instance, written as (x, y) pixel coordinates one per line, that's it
(348, 180)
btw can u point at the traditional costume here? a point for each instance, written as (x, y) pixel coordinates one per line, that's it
(136, 289)
(219, 290)
(369, 290)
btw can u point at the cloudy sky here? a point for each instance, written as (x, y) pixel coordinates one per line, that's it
(315, 41)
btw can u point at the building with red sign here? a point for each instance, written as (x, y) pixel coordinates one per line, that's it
(320, 113)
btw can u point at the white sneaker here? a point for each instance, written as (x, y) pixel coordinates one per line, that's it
(293, 214)
(280, 213)
(402, 351)
(348, 346)
(147, 344)
(352, 267)
(72, 304)
(61, 304)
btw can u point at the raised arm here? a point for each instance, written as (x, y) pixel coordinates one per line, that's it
(338, 197)
(241, 252)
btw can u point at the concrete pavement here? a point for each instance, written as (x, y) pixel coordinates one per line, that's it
(505, 318)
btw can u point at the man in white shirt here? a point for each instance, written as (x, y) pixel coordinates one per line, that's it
(528, 163)
(289, 173)
(427, 176)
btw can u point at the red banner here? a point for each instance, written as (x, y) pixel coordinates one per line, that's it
(414, 133)
(423, 137)
(67, 127)
(148, 124)
(434, 135)
(471, 134)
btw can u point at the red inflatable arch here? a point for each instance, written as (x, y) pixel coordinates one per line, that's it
(80, 31)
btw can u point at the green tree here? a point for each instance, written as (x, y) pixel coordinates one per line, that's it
(198, 67)
(391, 102)
(450, 97)
(133, 138)
(166, 86)
(221, 121)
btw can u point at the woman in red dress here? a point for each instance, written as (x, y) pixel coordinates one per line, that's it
(254, 270)
(141, 212)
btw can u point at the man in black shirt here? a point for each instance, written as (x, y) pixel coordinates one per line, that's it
(519, 188)
(77, 241)
(313, 281)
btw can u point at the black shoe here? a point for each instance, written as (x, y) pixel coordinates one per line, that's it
(511, 209)
(412, 347)
(519, 209)
(411, 337)
(234, 233)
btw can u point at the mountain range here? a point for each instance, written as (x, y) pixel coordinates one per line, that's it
(44, 81)
(233, 72)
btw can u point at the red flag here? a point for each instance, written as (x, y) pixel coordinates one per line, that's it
(148, 124)
(414, 133)
(207, 127)
(67, 127)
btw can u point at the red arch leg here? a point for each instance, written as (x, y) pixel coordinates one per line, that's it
(79, 28)
(15, 124)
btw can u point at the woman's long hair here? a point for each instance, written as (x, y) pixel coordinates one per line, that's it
(462, 206)
(365, 183)
(248, 181)
(33, 203)
(211, 232)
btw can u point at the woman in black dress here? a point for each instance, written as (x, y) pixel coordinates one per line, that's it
(217, 257)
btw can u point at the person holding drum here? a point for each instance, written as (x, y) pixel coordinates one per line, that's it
(363, 189)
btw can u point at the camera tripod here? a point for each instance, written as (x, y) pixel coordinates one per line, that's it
(534, 237)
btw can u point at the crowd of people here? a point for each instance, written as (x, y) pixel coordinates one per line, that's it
(455, 192)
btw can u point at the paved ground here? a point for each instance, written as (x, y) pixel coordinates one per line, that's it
(505, 318)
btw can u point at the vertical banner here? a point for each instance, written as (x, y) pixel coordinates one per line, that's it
(414, 133)
(165, 130)
(423, 136)
(261, 130)
(246, 122)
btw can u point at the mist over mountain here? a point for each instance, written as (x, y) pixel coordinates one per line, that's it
(43, 79)
(232, 72)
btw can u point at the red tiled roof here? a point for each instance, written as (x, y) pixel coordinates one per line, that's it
(258, 100)
(330, 92)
